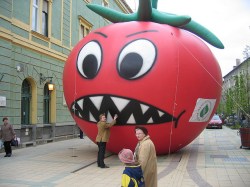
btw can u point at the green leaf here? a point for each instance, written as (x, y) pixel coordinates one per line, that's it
(204, 111)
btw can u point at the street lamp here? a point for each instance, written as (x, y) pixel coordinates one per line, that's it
(50, 84)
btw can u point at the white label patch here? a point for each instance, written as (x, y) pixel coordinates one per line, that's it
(202, 110)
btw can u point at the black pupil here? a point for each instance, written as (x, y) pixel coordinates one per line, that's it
(131, 65)
(89, 66)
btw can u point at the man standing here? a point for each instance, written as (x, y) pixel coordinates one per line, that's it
(102, 138)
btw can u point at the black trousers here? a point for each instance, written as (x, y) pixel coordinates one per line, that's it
(7, 147)
(101, 153)
(81, 134)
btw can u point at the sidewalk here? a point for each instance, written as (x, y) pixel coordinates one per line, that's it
(212, 159)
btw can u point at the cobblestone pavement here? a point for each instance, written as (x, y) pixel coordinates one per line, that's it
(214, 158)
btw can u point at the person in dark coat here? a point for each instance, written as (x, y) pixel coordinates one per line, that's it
(7, 133)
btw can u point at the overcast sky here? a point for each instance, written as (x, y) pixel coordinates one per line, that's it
(229, 20)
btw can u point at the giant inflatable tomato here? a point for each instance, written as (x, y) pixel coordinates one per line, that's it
(151, 74)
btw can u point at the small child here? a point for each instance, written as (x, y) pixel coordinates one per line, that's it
(132, 175)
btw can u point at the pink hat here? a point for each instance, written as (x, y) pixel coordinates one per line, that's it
(126, 156)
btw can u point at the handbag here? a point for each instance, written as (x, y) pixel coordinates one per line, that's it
(14, 142)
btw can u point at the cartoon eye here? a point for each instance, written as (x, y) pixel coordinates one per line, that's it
(136, 59)
(89, 60)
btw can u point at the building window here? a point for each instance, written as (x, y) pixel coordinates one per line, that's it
(40, 16)
(87, 1)
(35, 16)
(105, 3)
(84, 31)
(45, 18)
(85, 27)
(25, 102)
(46, 104)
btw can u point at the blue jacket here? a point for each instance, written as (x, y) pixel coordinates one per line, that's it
(132, 177)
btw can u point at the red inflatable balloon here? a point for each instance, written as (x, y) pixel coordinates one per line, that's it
(150, 74)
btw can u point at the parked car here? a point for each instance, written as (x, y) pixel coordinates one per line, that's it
(215, 122)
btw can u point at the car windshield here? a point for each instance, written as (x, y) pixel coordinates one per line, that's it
(216, 117)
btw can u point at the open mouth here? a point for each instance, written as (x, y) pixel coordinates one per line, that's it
(129, 111)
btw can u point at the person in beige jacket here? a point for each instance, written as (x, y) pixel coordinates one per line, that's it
(102, 138)
(145, 154)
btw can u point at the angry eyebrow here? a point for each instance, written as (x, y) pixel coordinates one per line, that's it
(141, 32)
(102, 34)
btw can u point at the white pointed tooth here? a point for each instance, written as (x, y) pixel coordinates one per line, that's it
(73, 107)
(80, 115)
(160, 113)
(97, 101)
(131, 119)
(144, 108)
(91, 117)
(109, 118)
(80, 103)
(150, 120)
(120, 102)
